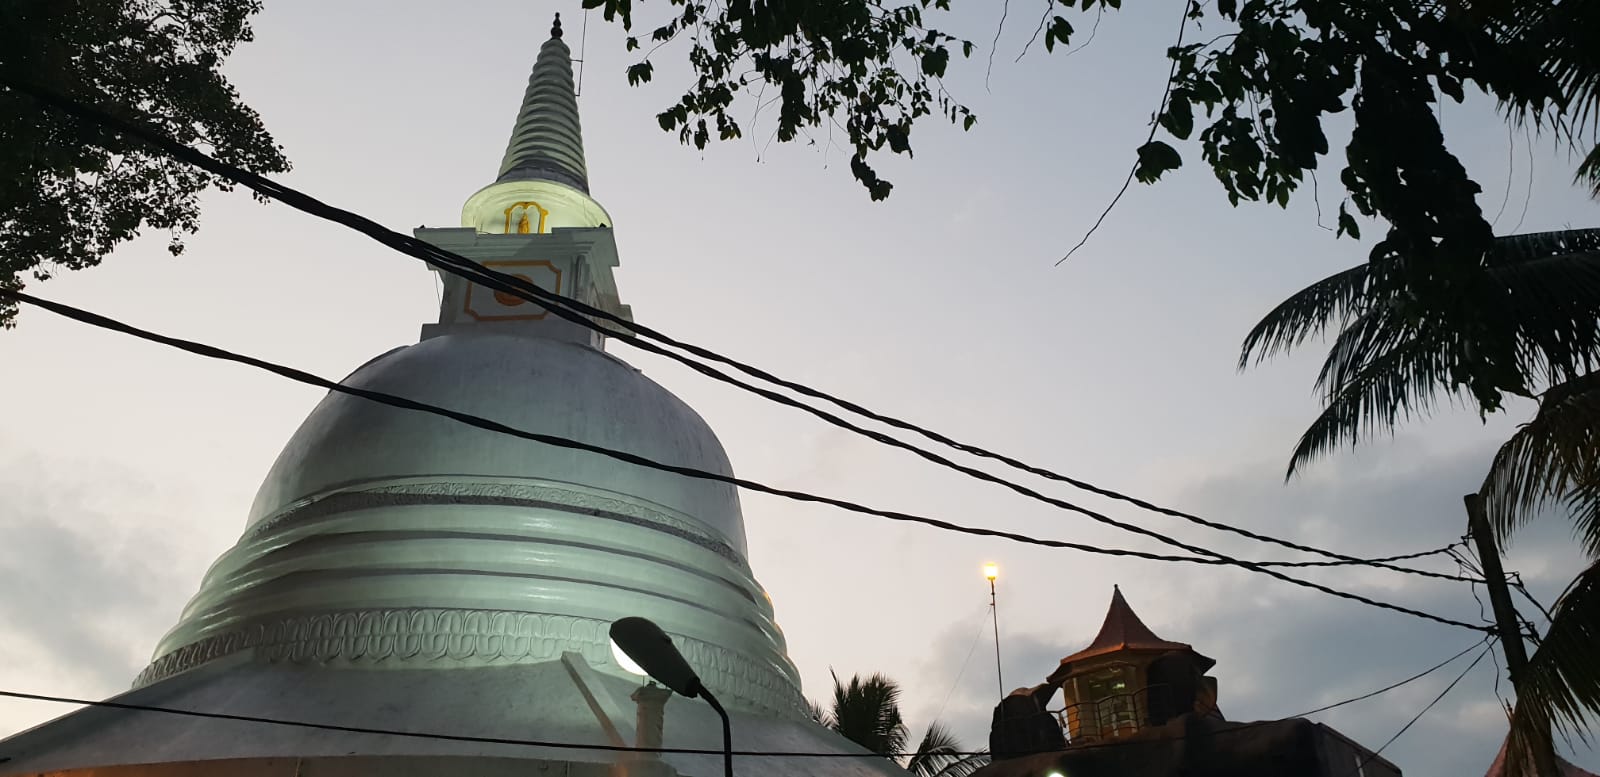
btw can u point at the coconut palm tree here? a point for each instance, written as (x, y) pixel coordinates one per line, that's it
(1525, 322)
(1526, 317)
(1553, 460)
(1566, 32)
(867, 712)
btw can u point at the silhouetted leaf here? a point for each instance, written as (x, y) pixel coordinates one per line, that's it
(1156, 158)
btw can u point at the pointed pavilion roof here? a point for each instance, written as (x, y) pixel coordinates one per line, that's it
(1122, 630)
(547, 141)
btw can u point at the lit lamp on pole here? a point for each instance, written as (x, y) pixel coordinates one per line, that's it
(650, 650)
(991, 571)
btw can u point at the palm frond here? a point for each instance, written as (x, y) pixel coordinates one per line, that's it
(939, 748)
(1584, 506)
(1567, 31)
(1511, 250)
(867, 712)
(1404, 382)
(1589, 172)
(1328, 303)
(1366, 340)
(819, 713)
(1551, 300)
(963, 767)
(1560, 687)
(1563, 35)
(1529, 317)
(1552, 457)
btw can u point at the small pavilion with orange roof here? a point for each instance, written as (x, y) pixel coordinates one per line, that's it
(1128, 678)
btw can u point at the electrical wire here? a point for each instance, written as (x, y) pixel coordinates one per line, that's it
(108, 704)
(1468, 567)
(1516, 582)
(1360, 768)
(584, 315)
(971, 648)
(213, 352)
(1408, 680)
(1377, 562)
(1155, 123)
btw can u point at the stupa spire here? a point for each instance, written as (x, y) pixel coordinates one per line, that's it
(547, 140)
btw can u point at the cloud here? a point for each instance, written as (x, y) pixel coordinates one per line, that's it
(89, 584)
(1283, 650)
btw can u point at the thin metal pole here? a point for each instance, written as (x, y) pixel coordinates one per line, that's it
(727, 730)
(994, 609)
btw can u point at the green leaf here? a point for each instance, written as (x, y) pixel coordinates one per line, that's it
(640, 73)
(876, 187)
(966, 123)
(1156, 158)
(1347, 224)
(934, 62)
(1178, 119)
(898, 140)
(1060, 30)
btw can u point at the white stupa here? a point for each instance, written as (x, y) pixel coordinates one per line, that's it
(401, 571)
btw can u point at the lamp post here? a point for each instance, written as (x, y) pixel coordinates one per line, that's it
(652, 650)
(990, 572)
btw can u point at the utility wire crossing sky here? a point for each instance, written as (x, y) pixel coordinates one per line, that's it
(579, 313)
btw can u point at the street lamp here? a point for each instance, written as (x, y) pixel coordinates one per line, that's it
(991, 571)
(652, 650)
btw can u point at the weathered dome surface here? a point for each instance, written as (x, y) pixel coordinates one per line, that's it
(387, 538)
(530, 383)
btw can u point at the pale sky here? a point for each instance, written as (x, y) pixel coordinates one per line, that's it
(125, 468)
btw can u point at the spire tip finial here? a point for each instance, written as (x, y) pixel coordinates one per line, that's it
(555, 29)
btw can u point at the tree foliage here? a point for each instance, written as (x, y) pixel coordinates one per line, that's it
(70, 192)
(1254, 98)
(1535, 305)
(876, 67)
(1520, 322)
(1264, 86)
(866, 711)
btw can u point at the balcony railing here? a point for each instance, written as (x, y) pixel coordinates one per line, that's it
(1108, 717)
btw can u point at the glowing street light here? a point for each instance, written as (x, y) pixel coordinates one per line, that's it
(991, 571)
(623, 660)
(650, 649)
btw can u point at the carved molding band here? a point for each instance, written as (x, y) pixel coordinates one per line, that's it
(411, 637)
(546, 497)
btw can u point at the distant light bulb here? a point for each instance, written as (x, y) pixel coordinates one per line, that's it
(628, 665)
(1055, 774)
(990, 572)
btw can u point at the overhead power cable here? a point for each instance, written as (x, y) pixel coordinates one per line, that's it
(1377, 562)
(392, 400)
(1361, 767)
(584, 315)
(287, 722)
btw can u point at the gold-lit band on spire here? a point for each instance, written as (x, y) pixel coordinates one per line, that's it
(524, 226)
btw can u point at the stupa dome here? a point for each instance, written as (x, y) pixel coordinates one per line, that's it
(379, 525)
(535, 384)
